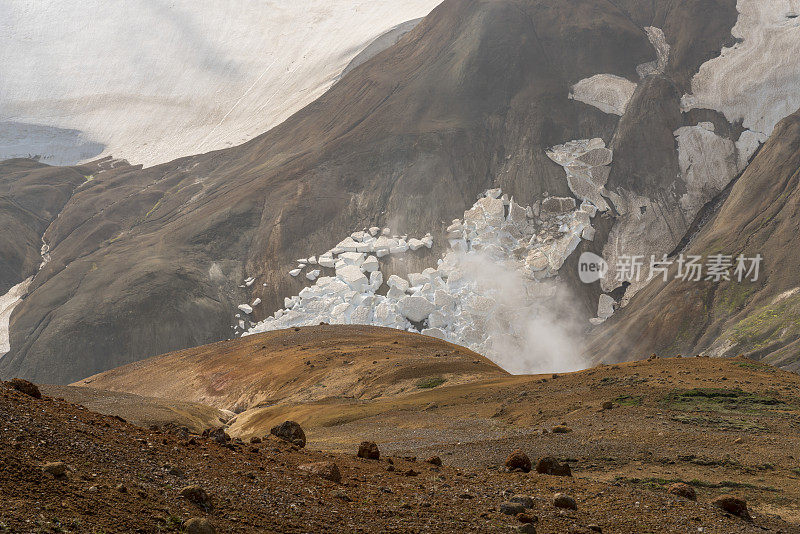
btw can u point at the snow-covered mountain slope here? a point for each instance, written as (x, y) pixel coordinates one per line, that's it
(153, 80)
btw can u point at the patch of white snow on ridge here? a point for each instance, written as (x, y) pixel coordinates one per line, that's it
(659, 42)
(496, 289)
(154, 81)
(708, 163)
(8, 302)
(757, 80)
(587, 163)
(607, 92)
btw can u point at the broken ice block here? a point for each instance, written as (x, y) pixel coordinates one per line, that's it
(415, 309)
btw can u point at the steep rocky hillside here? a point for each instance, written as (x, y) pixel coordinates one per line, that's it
(32, 195)
(152, 260)
(758, 215)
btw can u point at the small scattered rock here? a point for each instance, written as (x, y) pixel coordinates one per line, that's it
(518, 460)
(369, 450)
(561, 429)
(175, 471)
(607, 405)
(525, 500)
(219, 435)
(511, 508)
(23, 386)
(255, 440)
(683, 490)
(327, 470)
(342, 496)
(527, 528)
(199, 525)
(435, 460)
(595, 528)
(56, 469)
(121, 488)
(527, 518)
(411, 473)
(291, 432)
(732, 505)
(550, 466)
(562, 500)
(196, 495)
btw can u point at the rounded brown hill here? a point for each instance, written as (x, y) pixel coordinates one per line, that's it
(300, 365)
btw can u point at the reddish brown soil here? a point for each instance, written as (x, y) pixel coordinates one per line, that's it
(259, 488)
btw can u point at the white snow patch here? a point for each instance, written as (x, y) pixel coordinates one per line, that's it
(155, 81)
(607, 92)
(8, 302)
(757, 80)
(659, 42)
(587, 164)
(708, 163)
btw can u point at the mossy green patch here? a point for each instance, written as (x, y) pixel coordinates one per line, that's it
(756, 366)
(734, 296)
(431, 382)
(629, 400)
(719, 400)
(767, 325)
